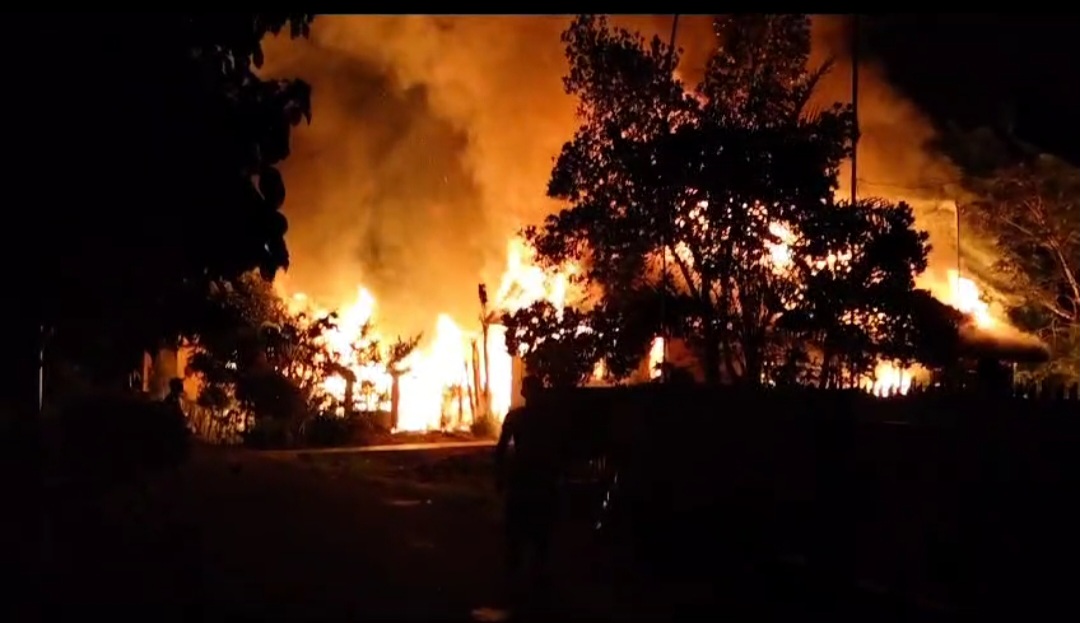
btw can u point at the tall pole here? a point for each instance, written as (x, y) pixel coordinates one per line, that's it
(957, 245)
(855, 103)
(485, 321)
(854, 111)
(663, 234)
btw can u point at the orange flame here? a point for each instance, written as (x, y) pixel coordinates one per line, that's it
(436, 381)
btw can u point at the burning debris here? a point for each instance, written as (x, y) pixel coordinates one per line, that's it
(448, 382)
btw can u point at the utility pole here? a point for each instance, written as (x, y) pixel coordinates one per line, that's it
(663, 234)
(855, 103)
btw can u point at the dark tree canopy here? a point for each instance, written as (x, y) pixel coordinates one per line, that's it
(694, 194)
(560, 348)
(148, 151)
(253, 352)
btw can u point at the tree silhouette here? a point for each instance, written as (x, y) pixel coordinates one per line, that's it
(856, 305)
(558, 346)
(931, 331)
(1028, 204)
(152, 161)
(719, 199)
(255, 353)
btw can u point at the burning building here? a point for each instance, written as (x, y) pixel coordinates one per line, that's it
(431, 145)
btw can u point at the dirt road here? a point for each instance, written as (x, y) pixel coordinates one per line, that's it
(239, 534)
(371, 536)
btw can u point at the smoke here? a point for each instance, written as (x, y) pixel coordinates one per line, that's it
(433, 138)
(896, 160)
(431, 143)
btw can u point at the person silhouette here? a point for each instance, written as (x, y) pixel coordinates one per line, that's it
(529, 479)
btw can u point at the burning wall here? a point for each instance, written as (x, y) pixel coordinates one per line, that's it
(433, 138)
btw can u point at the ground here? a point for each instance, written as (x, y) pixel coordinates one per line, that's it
(404, 535)
(399, 535)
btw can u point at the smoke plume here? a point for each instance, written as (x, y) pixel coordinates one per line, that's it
(895, 159)
(433, 138)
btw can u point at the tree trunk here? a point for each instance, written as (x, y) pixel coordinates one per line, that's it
(711, 347)
(477, 391)
(350, 383)
(395, 399)
(486, 408)
(826, 368)
(754, 363)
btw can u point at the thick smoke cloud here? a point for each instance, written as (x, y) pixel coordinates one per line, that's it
(432, 142)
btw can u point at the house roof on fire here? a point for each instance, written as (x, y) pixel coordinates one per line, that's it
(1011, 346)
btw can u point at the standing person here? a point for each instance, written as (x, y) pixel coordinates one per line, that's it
(529, 478)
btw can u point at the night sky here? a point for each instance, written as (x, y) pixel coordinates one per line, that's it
(988, 69)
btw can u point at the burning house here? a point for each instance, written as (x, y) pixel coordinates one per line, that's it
(986, 362)
(456, 144)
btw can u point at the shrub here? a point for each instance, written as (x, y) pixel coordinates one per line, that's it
(325, 431)
(364, 427)
(269, 433)
(485, 426)
(270, 394)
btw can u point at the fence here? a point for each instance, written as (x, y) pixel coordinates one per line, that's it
(1026, 391)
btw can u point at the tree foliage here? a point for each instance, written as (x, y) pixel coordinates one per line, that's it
(858, 303)
(254, 353)
(152, 160)
(563, 346)
(558, 346)
(1028, 204)
(718, 200)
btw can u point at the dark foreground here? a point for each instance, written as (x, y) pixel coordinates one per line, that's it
(400, 536)
(237, 534)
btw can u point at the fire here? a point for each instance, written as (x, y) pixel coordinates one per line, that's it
(441, 385)
(888, 378)
(525, 283)
(456, 376)
(656, 358)
(964, 295)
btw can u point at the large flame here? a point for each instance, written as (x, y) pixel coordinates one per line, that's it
(482, 91)
(441, 384)
(965, 296)
(446, 384)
